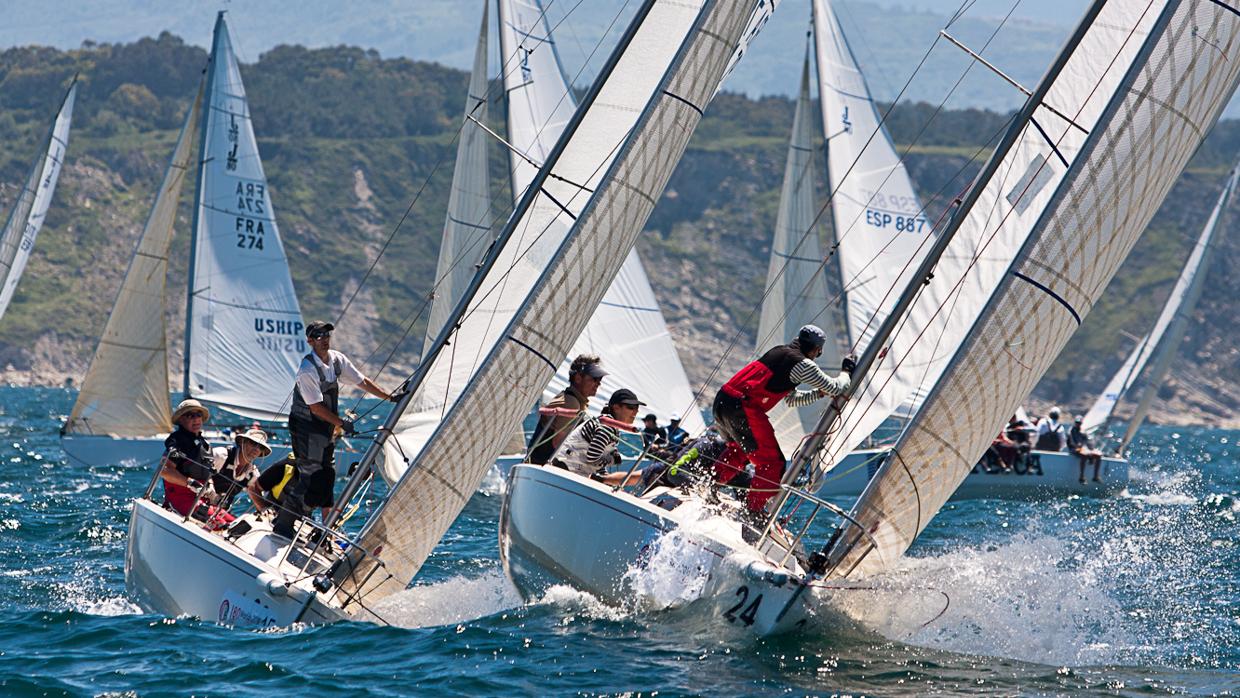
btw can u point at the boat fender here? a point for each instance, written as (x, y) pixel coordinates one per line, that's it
(272, 584)
(761, 572)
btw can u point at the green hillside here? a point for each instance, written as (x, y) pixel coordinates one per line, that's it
(352, 143)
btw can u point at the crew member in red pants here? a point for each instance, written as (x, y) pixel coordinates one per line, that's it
(742, 403)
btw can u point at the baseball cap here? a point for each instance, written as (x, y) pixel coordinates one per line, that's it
(625, 396)
(318, 328)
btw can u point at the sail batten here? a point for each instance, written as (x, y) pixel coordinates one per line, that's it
(1147, 87)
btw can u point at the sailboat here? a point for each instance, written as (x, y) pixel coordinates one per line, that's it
(243, 330)
(1063, 196)
(1163, 340)
(592, 194)
(30, 209)
(627, 329)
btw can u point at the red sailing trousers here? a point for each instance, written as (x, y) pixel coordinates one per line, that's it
(768, 460)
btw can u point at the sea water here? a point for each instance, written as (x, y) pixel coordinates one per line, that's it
(1133, 595)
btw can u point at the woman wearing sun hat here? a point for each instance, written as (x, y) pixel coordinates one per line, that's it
(235, 465)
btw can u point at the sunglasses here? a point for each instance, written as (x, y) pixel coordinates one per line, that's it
(629, 404)
(321, 335)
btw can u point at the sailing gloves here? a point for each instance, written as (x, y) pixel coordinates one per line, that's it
(849, 364)
(348, 427)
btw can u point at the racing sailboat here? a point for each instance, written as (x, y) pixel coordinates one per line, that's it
(590, 198)
(35, 198)
(243, 331)
(1065, 193)
(1163, 340)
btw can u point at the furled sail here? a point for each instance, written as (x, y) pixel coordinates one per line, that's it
(880, 225)
(244, 336)
(607, 171)
(125, 392)
(28, 213)
(796, 288)
(466, 232)
(1180, 303)
(1142, 81)
(628, 329)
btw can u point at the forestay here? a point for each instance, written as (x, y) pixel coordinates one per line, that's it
(1146, 82)
(125, 392)
(1178, 304)
(244, 332)
(667, 88)
(880, 224)
(466, 230)
(628, 329)
(30, 210)
(796, 288)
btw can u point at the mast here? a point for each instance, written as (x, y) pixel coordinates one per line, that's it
(1169, 346)
(208, 90)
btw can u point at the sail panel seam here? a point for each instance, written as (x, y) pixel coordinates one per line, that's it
(1047, 290)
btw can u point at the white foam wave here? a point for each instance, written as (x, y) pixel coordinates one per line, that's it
(452, 601)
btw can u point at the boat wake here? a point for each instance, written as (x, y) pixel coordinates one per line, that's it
(452, 601)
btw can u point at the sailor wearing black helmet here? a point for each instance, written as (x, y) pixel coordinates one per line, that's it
(742, 403)
(314, 416)
(591, 448)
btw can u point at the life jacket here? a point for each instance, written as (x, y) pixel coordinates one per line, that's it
(766, 381)
(289, 471)
(300, 410)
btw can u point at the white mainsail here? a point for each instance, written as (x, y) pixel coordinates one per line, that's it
(125, 392)
(467, 229)
(1180, 303)
(880, 225)
(28, 213)
(796, 286)
(628, 329)
(244, 337)
(608, 170)
(1143, 81)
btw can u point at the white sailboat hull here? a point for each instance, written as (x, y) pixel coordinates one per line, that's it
(1057, 476)
(176, 568)
(101, 450)
(558, 528)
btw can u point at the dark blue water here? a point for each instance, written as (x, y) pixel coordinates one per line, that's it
(1136, 595)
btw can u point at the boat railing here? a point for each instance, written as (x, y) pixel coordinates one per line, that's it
(794, 498)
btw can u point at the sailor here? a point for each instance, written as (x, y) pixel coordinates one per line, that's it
(1080, 444)
(274, 484)
(1051, 434)
(653, 435)
(675, 435)
(314, 416)
(235, 465)
(591, 448)
(187, 457)
(585, 375)
(742, 403)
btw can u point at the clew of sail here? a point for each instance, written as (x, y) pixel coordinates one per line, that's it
(1143, 84)
(796, 288)
(244, 334)
(617, 155)
(125, 392)
(1180, 303)
(628, 329)
(468, 225)
(28, 213)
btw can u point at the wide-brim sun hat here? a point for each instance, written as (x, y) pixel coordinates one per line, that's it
(257, 436)
(190, 405)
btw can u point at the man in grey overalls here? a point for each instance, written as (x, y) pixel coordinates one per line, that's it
(312, 423)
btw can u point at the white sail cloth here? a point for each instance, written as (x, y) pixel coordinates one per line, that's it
(125, 392)
(28, 213)
(1100, 412)
(467, 228)
(1146, 83)
(796, 286)
(646, 109)
(244, 336)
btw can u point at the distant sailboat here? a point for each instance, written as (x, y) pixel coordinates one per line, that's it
(30, 209)
(243, 334)
(1162, 341)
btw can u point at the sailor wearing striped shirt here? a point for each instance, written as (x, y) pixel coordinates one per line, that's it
(742, 403)
(591, 448)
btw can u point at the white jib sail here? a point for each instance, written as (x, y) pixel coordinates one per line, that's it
(628, 329)
(879, 221)
(796, 286)
(244, 334)
(125, 392)
(30, 210)
(1146, 83)
(646, 109)
(1127, 374)
(466, 232)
